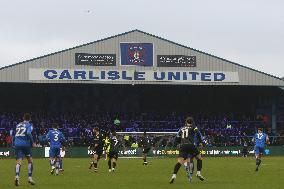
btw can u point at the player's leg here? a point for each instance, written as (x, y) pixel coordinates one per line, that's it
(186, 165)
(199, 167)
(144, 157)
(190, 168)
(245, 152)
(109, 161)
(30, 170)
(52, 160)
(19, 157)
(180, 161)
(95, 162)
(257, 157)
(114, 160)
(105, 151)
(257, 161)
(91, 162)
(18, 169)
(60, 164)
(57, 157)
(191, 165)
(56, 165)
(52, 165)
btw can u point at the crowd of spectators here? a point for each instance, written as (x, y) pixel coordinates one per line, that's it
(220, 130)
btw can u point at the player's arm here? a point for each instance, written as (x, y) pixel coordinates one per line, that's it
(200, 136)
(253, 139)
(30, 136)
(47, 137)
(267, 140)
(90, 143)
(141, 142)
(178, 136)
(63, 141)
(13, 139)
(96, 141)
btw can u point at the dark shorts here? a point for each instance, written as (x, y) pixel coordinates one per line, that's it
(245, 149)
(146, 150)
(98, 151)
(21, 152)
(188, 151)
(54, 152)
(258, 150)
(113, 154)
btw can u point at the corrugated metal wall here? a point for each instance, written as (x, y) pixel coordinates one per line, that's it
(66, 60)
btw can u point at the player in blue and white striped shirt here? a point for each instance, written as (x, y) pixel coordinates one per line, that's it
(260, 140)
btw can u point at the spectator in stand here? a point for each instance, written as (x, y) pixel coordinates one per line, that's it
(221, 130)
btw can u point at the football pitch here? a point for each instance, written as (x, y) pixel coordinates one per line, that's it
(231, 173)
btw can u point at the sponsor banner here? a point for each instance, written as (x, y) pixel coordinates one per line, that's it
(83, 152)
(173, 152)
(46, 152)
(136, 54)
(95, 59)
(10, 152)
(5, 153)
(176, 61)
(131, 75)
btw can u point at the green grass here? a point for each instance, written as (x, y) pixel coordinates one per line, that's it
(227, 173)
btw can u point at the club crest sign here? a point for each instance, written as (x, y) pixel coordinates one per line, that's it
(136, 54)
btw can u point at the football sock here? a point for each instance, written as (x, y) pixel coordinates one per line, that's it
(144, 159)
(30, 169)
(95, 165)
(185, 164)
(60, 164)
(113, 165)
(257, 162)
(177, 166)
(18, 169)
(91, 164)
(191, 167)
(199, 165)
(57, 166)
(52, 163)
(109, 164)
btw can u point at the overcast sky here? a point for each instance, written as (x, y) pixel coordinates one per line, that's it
(249, 32)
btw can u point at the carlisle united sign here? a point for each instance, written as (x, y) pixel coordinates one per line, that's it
(131, 75)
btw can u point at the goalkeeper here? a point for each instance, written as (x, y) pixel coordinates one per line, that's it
(106, 145)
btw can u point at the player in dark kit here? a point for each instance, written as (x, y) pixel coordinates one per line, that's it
(146, 146)
(199, 142)
(97, 147)
(113, 151)
(244, 141)
(187, 148)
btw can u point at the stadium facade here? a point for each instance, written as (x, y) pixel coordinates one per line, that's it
(154, 73)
